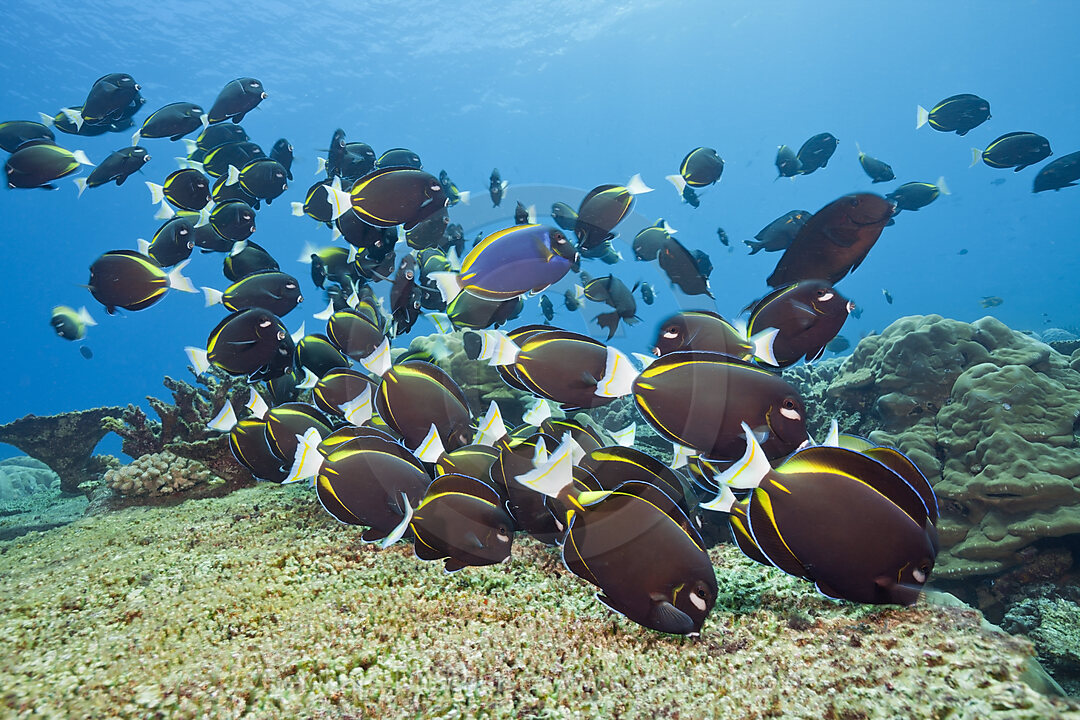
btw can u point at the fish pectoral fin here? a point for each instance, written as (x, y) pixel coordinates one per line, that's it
(588, 379)
(665, 617)
(451, 565)
(242, 342)
(373, 535)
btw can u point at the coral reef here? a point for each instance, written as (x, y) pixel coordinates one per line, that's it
(259, 604)
(156, 474)
(22, 476)
(31, 499)
(989, 415)
(65, 442)
(1053, 624)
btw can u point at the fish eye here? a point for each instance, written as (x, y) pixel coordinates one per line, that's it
(280, 334)
(190, 245)
(408, 275)
(788, 410)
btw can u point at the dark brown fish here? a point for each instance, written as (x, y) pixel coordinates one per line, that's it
(415, 395)
(247, 440)
(701, 330)
(252, 342)
(807, 315)
(682, 268)
(463, 520)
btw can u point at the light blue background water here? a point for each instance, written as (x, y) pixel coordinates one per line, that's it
(558, 93)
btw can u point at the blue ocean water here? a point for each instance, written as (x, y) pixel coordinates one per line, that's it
(560, 93)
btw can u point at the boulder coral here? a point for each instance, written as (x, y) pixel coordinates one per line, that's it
(156, 474)
(990, 415)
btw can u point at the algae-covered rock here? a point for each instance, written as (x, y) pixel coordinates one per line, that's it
(65, 442)
(1053, 623)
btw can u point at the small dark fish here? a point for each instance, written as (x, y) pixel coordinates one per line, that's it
(962, 251)
(877, 170)
(603, 208)
(464, 521)
(237, 99)
(990, 301)
(330, 263)
(613, 292)
(399, 157)
(86, 352)
(703, 331)
(454, 237)
(887, 294)
(807, 315)
(108, 99)
(701, 167)
(453, 195)
(252, 343)
(564, 216)
(648, 294)
(173, 121)
(270, 290)
(187, 189)
(1014, 150)
(856, 312)
(335, 155)
(690, 197)
(572, 298)
(521, 214)
(173, 242)
(815, 152)
(1061, 173)
(838, 344)
(547, 308)
(263, 178)
(218, 135)
(405, 296)
(16, 133)
(316, 353)
(252, 258)
(999, 181)
(682, 268)
(703, 262)
(359, 160)
(129, 280)
(248, 443)
(787, 162)
(723, 237)
(778, 234)
(282, 153)
(958, 113)
(429, 232)
(237, 154)
(36, 166)
(69, 323)
(354, 334)
(233, 219)
(835, 240)
(914, 195)
(647, 243)
(317, 204)
(117, 167)
(496, 187)
(415, 395)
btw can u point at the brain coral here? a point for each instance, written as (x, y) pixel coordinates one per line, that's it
(990, 416)
(156, 474)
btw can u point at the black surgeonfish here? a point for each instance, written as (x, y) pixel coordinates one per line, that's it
(914, 195)
(173, 121)
(217, 135)
(238, 154)
(877, 170)
(699, 399)
(317, 205)
(399, 157)
(647, 243)
(252, 342)
(958, 113)
(270, 290)
(358, 161)
(1061, 173)
(1014, 150)
(335, 155)
(682, 268)
(612, 291)
(815, 152)
(405, 295)
(286, 425)
(282, 153)
(648, 295)
(252, 258)
(130, 280)
(722, 236)
(233, 220)
(521, 214)
(778, 234)
(496, 187)
(701, 167)
(69, 323)
(704, 330)
(860, 525)
(415, 395)
(236, 100)
(429, 232)
(339, 387)
(37, 165)
(806, 314)
(187, 189)
(467, 311)
(247, 440)
(546, 308)
(108, 98)
(63, 122)
(564, 216)
(453, 195)
(117, 167)
(391, 196)
(603, 208)
(316, 353)
(787, 162)
(464, 521)
(263, 178)
(636, 545)
(835, 240)
(173, 242)
(354, 334)
(16, 133)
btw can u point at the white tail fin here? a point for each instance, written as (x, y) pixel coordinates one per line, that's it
(80, 157)
(204, 219)
(976, 156)
(237, 247)
(553, 475)
(666, 227)
(213, 297)
(538, 413)
(84, 316)
(135, 137)
(619, 375)
(320, 165)
(177, 281)
(300, 332)
(200, 363)
(142, 246)
(678, 181)
(307, 252)
(921, 116)
(453, 259)
(431, 447)
(188, 164)
(497, 348)
(81, 184)
(298, 209)
(942, 187)
(157, 193)
(378, 362)
(448, 285)
(340, 202)
(46, 120)
(491, 428)
(308, 460)
(464, 196)
(233, 176)
(531, 212)
(637, 186)
(190, 145)
(750, 470)
(256, 404)
(309, 380)
(680, 455)
(833, 438)
(763, 346)
(626, 436)
(399, 530)
(358, 410)
(722, 502)
(165, 212)
(74, 116)
(204, 120)
(225, 420)
(441, 321)
(325, 314)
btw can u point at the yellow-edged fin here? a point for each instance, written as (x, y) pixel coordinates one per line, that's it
(590, 497)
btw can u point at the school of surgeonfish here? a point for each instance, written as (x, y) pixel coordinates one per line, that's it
(390, 441)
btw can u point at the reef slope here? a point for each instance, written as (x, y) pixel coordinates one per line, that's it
(260, 605)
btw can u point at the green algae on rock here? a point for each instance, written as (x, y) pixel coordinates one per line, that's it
(258, 604)
(65, 442)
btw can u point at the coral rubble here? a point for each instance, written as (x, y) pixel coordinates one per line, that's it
(65, 442)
